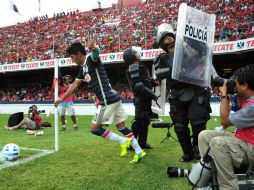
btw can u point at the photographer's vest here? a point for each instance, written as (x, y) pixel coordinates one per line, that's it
(37, 120)
(246, 134)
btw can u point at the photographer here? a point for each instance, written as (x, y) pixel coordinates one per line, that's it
(227, 149)
(32, 122)
(141, 85)
(188, 103)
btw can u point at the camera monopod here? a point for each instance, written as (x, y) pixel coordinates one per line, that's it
(164, 125)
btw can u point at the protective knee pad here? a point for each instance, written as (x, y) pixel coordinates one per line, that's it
(135, 123)
(135, 127)
(143, 132)
(181, 129)
(183, 134)
(197, 127)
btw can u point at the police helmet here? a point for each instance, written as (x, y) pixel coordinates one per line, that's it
(130, 54)
(164, 30)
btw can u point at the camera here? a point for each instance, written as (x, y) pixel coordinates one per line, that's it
(162, 125)
(177, 172)
(200, 175)
(41, 111)
(31, 109)
(219, 81)
(203, 172)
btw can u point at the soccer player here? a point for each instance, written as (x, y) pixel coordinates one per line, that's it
(110, 110)
(67, 104)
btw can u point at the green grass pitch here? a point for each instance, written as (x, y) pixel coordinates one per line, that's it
(89, 162)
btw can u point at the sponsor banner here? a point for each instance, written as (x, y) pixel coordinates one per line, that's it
(27, 66)
(234, 46)
(65, 62)
(118, 57)
(219, 48)
(150, 54)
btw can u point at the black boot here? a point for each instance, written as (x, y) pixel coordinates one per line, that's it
(197, 127)
(135, 127)
(146, 146)
(142, 140)
(130, 148)
(196, 153)
(183, 135)
(187, 157)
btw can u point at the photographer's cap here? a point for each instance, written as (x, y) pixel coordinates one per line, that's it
(67, 76)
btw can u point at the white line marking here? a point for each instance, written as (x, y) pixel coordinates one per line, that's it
(42, 152)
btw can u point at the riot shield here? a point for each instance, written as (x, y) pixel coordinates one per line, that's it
(160, 91)
(194, 46)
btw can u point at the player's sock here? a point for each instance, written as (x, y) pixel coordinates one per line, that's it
(63, 128)
(107, 134)
(75, 127)
(134, 143)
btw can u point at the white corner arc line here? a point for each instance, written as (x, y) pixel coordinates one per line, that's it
(42, 152)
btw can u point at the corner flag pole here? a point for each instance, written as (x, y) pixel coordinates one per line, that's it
(56, 112)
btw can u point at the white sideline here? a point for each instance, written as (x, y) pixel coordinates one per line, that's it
(42, 152)
(87, 109)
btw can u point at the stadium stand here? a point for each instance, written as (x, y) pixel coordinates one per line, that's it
(30, 92)
(115, 28)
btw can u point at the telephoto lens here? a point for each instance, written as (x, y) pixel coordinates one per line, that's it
(177, 172)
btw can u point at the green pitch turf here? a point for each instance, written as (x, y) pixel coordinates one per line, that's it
(89, 162)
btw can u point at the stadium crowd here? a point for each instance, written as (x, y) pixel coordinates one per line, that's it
(31, 93)
(116, 28)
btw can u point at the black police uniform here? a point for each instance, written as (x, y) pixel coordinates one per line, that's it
(188, 104)
(143, 95)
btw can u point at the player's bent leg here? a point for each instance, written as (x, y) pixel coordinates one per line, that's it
(107, 134)
(75, 126)
(139, 153)
(125, 147)
(63, 123)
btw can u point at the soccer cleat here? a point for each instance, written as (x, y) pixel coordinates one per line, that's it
(75, 128)
(138, 157)
(125, 147)
(63, 129)
(146, 146)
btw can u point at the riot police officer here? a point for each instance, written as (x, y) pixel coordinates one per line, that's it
(141, 85)
(188, 103)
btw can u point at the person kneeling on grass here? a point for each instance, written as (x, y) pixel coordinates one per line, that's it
(110, 110)
(230, 150)
(32, 122)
